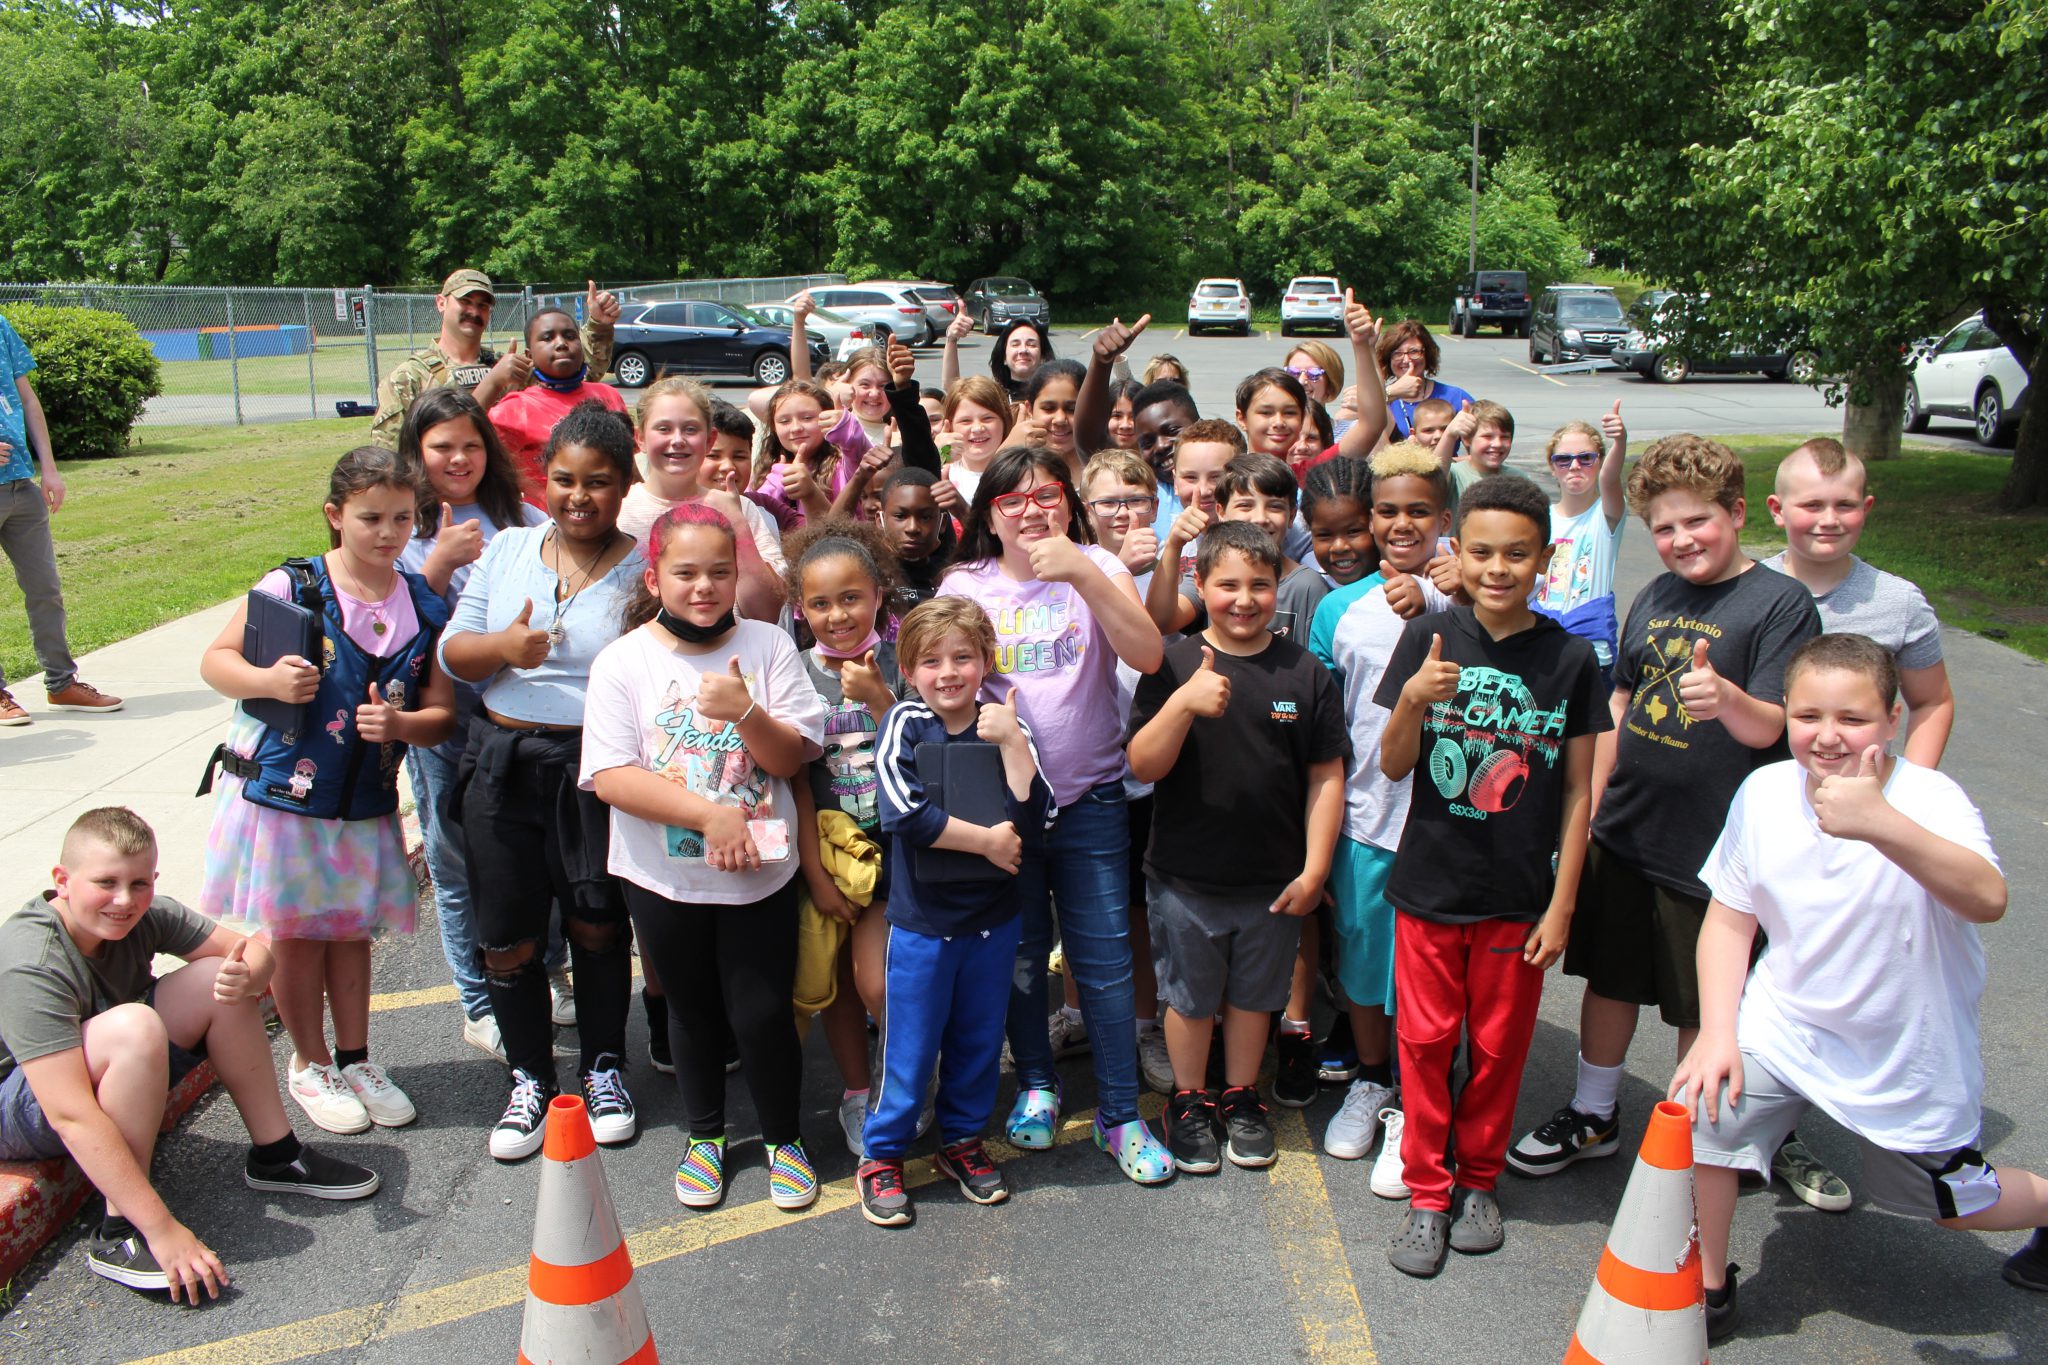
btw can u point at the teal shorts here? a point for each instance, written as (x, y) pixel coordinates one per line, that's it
(1363, 922)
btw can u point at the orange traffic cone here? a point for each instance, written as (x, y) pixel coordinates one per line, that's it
(582, 1307)
(1647, 1305)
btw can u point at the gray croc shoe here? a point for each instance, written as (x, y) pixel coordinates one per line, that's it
(1477, 1228)
(1419, 1250)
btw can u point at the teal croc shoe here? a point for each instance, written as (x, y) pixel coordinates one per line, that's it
(1034, 1119)
(1143, 1157)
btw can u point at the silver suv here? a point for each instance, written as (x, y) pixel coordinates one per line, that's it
(885, 307)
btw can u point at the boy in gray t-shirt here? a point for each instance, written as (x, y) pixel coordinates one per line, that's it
(90, 1042)
(1822, 501)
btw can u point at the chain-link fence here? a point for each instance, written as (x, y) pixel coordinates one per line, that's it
(283, 355)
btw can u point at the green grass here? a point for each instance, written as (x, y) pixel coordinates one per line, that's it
(190, 516)
(1934, 523)
(338, 367)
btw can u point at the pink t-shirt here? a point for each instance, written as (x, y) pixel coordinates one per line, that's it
(524, 420)
(1052, 649)
(359, 619)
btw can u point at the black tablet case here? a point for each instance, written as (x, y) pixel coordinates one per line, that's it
(964, 780)
(276, 628)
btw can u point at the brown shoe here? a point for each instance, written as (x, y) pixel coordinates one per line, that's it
(10, 710)
(83, 696)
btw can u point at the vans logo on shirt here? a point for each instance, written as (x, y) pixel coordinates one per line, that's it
(1286, 712)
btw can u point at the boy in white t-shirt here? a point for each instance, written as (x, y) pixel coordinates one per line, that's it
(1585, 529)
(1878, 1029)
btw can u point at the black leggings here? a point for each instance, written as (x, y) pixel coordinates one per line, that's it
(535, 840)
(725, 964)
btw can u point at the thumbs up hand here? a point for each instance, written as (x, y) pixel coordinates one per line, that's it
(521, 646)
(513, 370)
(902, 363)
(234, 980)
(1206, 693)
(1113, 340)
(1464, 424)
(1435, 680)
(457, 544)
(377, 719)
(600, 306)
(861, 680)
(1852, 806)
(1363, 327)
(997, 721)
(1702, 691)
(723, 696)
(1611, 427)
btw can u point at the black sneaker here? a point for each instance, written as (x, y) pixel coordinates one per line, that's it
(1569, 1136)
(967, 1164)
(612, 1120)
(1244, 1120)
(1721, 1316)
(2028, 1267)
(658, 1051)
(523, 1127)
(311, 1173)
(125, 1260)
(1337, 1055)
(1191, 1132)
(1294, 1085)
(883, 1200)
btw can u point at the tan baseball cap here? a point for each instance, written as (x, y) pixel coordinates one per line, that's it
(468, 282)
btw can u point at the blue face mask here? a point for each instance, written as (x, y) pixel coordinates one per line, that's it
(560, 385)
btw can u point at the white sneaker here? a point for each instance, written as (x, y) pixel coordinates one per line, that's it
(612, 1119)
(1153, 1062)
(1357, 1120)
(561, 999)
(1067, 1036)
(1387, 1170)
(523, 1128)
(389, 1106)
(853, 1121)
(327, 1097)
(482, 1034)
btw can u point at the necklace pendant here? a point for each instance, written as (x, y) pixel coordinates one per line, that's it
(377, 627)
(556, 635)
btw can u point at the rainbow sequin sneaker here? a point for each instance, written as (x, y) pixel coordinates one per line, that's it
(1141, 1155)
(1034, 1119)
(792, 1184)
(700, 1179)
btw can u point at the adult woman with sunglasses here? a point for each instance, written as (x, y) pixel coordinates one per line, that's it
(1408, 358)
(1065, 611)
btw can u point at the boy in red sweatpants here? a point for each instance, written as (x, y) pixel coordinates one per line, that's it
(1501, 706)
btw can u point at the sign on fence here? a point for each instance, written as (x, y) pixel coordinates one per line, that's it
(356, 313)
(341, 305)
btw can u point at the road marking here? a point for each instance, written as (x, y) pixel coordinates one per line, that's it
(1089, 333)
(428, 995)
(354, 1328)
(1181, 333)
(1552, 379)
(1310, 1253)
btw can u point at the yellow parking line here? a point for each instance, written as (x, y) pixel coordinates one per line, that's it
(1551, 379)
(353, 1328)
(1089, 333)
(1313, 1264)
(427, 995)
(1181, 333)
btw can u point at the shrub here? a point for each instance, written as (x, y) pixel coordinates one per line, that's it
(93, 374)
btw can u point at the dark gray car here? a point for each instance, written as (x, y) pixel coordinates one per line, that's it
(1000, 299)
(1491, 298)
(1575, 322)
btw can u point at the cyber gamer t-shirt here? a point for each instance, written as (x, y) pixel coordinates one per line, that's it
(1488, 788)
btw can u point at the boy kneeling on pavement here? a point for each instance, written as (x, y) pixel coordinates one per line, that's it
(90, 1044)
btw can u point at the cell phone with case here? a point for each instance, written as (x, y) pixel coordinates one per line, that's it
(771, 841)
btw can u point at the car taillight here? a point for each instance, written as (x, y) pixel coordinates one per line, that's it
(947, 306)
(857, 334)
(1525, 298)
(905, 308)
(1292, 299)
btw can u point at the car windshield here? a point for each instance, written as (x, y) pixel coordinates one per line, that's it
(1217, 291)
(1503, 283)
(1009, 289)
(1589, 308)
(750, 315)
(1315, 286)
(934, 295)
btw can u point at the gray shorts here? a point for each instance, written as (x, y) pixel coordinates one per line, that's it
(1210, 951)
(25, 1131)
(1950, 1184)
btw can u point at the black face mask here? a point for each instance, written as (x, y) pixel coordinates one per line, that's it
(689, 632)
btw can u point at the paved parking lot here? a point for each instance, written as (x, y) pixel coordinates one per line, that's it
(1281, 1265)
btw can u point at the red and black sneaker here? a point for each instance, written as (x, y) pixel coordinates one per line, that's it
(883, 1200)
(967, 1164)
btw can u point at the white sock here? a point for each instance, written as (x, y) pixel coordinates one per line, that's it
(1073, 1014)
(1598, 1086)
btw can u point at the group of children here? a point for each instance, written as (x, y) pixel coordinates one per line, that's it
(851, 707)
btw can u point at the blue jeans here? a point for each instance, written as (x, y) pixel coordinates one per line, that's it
(945, 1007)
(432, 778)
(1085, 872)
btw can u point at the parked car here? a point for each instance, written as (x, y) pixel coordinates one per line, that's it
(842, 336)
(939, 300)
(699, 337)
(1000, 299)
(1220, 303)
(882, 307)
(1969, 374)
(1667, 341)
(1574, 322)
(1491, 298)
(1312, 301)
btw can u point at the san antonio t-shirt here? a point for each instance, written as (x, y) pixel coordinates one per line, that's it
(1488, 787)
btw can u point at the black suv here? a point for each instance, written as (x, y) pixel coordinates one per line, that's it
(1492, 298)
(1575, 322)
(1000, 299)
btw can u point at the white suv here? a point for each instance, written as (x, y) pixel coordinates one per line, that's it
(1220, 303)
(1312, 301)
(1971, 375)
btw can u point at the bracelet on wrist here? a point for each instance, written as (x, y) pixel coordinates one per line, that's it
(752, 707)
